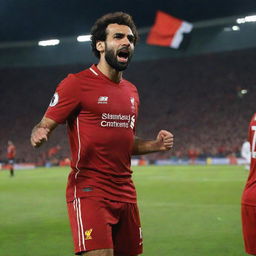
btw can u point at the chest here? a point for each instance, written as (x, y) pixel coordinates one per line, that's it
(99, 98)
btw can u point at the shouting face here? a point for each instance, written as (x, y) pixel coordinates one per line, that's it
(119, 46)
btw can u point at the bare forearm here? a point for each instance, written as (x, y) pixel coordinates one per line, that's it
(163, 142)
(41, 131)
(141, 147)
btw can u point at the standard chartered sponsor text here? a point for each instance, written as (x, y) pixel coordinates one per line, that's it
(112, 120)
(114, 124)
(109, 116)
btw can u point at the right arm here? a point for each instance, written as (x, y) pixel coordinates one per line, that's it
(41, 131)
(66, 98)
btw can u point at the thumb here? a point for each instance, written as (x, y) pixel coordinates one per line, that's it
(160, 136)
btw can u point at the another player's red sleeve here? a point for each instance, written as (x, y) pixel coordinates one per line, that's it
(249, 130)
(66, 100)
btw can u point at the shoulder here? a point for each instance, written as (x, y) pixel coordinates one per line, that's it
(130, 85)
(75, 79)
(133, 91)
(82, 75)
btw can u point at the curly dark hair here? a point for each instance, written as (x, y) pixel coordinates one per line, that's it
(98, 31)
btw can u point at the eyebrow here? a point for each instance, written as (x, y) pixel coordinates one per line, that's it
(129, 36)
(118, 34)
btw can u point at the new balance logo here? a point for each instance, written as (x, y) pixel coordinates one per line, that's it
(103, 100)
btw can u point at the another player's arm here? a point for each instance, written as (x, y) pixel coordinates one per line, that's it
(41, 131)
(163, 142)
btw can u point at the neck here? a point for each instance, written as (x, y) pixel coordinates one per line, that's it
(109, 72)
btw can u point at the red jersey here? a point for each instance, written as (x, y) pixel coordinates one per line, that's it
(101, 117)
(249, 194)
(11, 151)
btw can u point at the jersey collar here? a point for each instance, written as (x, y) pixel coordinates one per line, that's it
(97, 72)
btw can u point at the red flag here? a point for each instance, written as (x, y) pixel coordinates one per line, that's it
(168, 30)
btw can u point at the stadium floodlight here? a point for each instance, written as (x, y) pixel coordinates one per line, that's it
(244, 91)
(235, 28)
(50, 42)
(240, 20)
(251, 18)
(84, 38)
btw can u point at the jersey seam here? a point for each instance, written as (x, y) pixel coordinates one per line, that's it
(78, 153)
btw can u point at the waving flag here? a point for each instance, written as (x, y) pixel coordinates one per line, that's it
(168, 30)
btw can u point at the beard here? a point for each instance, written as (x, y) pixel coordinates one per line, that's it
(111, 59)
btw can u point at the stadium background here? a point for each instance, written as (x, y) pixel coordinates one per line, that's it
(196, 91)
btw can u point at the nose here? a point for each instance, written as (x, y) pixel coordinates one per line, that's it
(126, 42)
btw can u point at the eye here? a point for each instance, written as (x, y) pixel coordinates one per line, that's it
(118, 36)
(131, 38)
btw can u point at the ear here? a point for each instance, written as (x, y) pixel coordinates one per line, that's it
(100, 46)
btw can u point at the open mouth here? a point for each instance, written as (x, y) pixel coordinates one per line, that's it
(123, 55)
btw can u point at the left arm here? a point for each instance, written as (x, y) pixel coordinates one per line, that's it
(163, 142)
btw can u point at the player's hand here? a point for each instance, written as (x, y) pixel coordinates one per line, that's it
(39, 136)
(164, 140)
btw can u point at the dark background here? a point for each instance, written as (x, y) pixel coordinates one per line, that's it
(42, 19)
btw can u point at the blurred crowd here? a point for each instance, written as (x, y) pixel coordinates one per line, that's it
(199, 99)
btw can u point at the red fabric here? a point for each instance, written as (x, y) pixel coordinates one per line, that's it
(249, 194)
(98, 223)
(164, 29)
(53, 151)
(11, 152)
(249, 228)
(101, 117)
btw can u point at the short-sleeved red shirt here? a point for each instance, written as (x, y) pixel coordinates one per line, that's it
(101, 117)
(249, 194)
